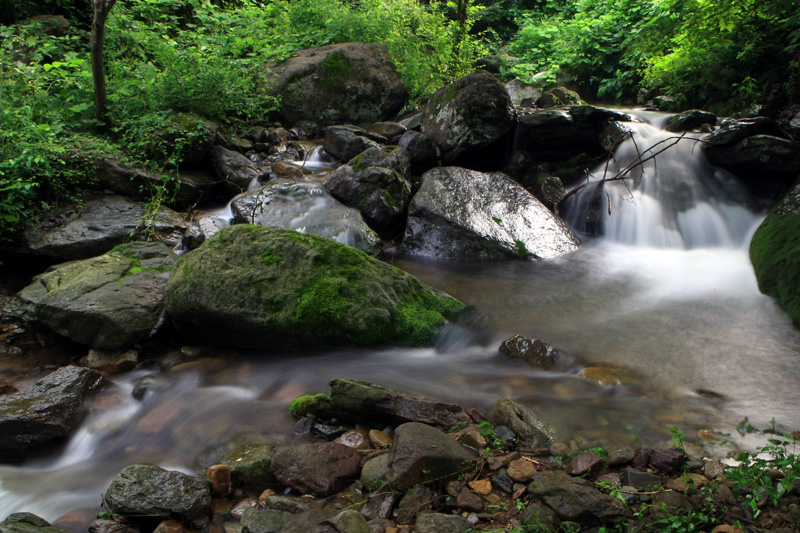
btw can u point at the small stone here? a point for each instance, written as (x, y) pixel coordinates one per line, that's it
(238, 510)
(454, 487)
(219, 477)
(666, 460)
(476, 415)
(505, 433)
(727, 528)
(687, 482)
(470, 502)
(559, 449)
(499, 461)
(481, 486)
(357, 439)
(584, 463)
(169, 526)
(503, 482)
(612, 478)
(640, 480)
(620, 456)
(380, 439)
(521, 470)
(262, 499)
(113, 362)
(473, 439)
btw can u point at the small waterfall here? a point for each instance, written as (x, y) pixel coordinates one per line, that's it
(671, 197)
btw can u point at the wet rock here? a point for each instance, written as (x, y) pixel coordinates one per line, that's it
(282, 169)
(537, 514)
(234, 170)
(251, 465)
(559, 134)
(340, 83)
(613, 133)
(526, 425)
(689, 120)
(112, 362)
(319, 468)
(305, 206)
(271, 283)
(774, 254)
(289, 504)
(379, 506)
(169, 526)
(576, 500)
(203, 227)
(521, 470)
(606, 375)
(470, 120)
(190, 187)
(308, 521)
(348, 521)
(587, 463)
(503, 481)
(27, 523)
(103, 223)
(109, 526)
(46, 412)
(421, 150)
(380, 404)
(417, 500)
(620, 456)
(108, 302)
(421, 454)
(689, 481)
(640, 480)
(374, 182)
(151, 490)
(263, 520)
(441, 523)
(464, 214)
(344, 142)
(481, 486)
(534, 352)
(358, 439)
(219, 479)
(666, 460)
(154, 383)
(249, 502)
(380, 439)
(374, 471)
(469, 502)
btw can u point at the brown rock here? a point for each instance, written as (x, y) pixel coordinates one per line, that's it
(585, 463)
(470, 502)
(687, 482)
(380, 439)
(169, 526)
(499, 461)
(665, 459)
(481, 486)
(219, 477)
(318, 468)
(521, 470)
(727, 528)
(221, 505)
(357, 439)
(239, 509)
(473, 438)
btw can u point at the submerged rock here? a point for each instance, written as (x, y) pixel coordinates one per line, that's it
(340, 83)
(470, 120)
(46, 412)
(155, 492)
(532, 351)
(775, 254)
(465, 214)
(108, 302)
(305, 206)
(275, 288)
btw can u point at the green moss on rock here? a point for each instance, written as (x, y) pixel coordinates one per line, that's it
(275, 288)
(309, 403)
(775, 254)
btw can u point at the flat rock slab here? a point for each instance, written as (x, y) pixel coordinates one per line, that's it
(46, 412)
(464, 214)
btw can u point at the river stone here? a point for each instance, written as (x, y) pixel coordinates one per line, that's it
(416, 500)
(421, 454)
(441, 523)
(386, 406)
(464, 214)
(318, 468)
(586, 463)
(533, 352)
(108, 302)
(470, 120)
(186, 189)
(525, 424)
(235, 171)
(576, 500)
(103, 223)
(309, 521)
(305, 206)
(344, 142)
(379, 506)
(150, 490)
(348, 521)
(689, 120)
(389, 130)
(340, 83)
(374, 471)
(613, 133)
(422, 152)
(46, 412)
(561, 133)
(27, 523)
(274, 288)
(251, 465)
(112, 362)
(263, 520)
(111, 526)
(775, 253)
(374, 182)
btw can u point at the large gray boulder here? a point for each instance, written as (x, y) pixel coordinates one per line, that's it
(561, 133)
(108, 302)
(375, 183)
(46, 412)
(470, 120)
(421, 453)
(465, 214)
(235, 172)
(274, 288)
(305, 206)
(386, 406)
(149, 490)
(319, 468)
(101, 224)
(336, 84)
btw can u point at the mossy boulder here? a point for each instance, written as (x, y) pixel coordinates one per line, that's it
(775, 253)
(28, 523)
(265, 287)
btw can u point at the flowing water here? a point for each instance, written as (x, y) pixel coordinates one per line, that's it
(667, 293)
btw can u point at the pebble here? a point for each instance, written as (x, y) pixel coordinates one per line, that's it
(219, 477)
(239, 508)
(481, 486)
(355, 438)
(380, 439)
(521, 470)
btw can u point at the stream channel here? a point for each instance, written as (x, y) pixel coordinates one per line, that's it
(667, 293)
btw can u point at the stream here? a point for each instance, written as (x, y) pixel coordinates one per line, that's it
(667, 293)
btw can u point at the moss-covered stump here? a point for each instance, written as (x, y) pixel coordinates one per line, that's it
(775, 253)
(265, 288)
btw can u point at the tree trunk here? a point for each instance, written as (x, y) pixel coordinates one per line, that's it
(101, 10)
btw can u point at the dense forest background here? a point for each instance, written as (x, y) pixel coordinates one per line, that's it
(167, 58)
